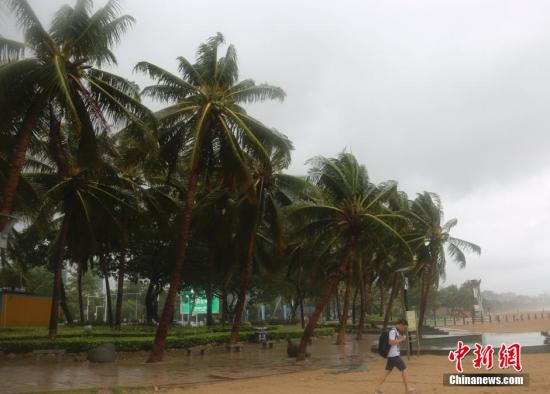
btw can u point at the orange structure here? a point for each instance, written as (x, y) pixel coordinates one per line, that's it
(24, 310)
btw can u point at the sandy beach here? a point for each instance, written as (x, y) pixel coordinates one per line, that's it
(349, 369)
(426, 374)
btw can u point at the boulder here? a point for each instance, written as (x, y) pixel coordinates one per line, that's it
(292, 349)
(105, 353)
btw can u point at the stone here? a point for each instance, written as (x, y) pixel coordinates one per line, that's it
(105, 353)
(292, 349)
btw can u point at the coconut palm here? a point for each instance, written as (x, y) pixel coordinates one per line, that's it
(206, 127)
(270, 191)
(349, 210)
(61, 70)
(429, 223)
(81, 202)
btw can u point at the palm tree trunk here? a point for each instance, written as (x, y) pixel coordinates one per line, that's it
(368, 293)
(239, 309)
(382, 291)
(149, 303)
(302, 317)
(209, 288)
(362, 302)
(21, 144)
(425, 292)
(389, 307)
(64, 306)
(57, 257)
(79, 291)
(337, 301)
(159, 344)
(223, 306)
(354, 306)
(107, 291)
(209, 299)
(120, 291)
(341, 338)
(323, 300)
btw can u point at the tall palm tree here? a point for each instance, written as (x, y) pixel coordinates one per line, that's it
(348, 211)
(204, 127)
(270, 191)
(85, 198)
(61, 70)
(429, 223)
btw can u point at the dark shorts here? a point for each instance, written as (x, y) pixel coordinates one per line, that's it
(395, 362)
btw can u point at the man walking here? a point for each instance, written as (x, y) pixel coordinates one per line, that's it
(396, 336)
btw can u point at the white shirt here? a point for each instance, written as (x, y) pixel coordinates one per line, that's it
(394, 350)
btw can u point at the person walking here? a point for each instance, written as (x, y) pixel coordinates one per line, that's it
(395, 337)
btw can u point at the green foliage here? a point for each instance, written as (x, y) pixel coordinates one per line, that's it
(128, 340)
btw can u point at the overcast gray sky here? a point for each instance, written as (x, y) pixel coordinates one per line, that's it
(444, 96)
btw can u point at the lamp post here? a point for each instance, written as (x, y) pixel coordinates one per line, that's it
(406, 304)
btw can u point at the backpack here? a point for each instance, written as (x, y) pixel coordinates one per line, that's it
(384, 344)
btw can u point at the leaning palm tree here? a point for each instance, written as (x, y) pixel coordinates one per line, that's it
(348, 211)
(206, 127)
(61, 70)
(427, 213)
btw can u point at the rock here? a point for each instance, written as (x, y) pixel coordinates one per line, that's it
(105, 353)
(292, 349)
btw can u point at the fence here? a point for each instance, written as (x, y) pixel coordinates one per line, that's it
(487, 318)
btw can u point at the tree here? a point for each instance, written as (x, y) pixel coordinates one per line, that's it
(264, 200)
(61, 71)
(429, 224)
(349, 209)
(86, 197)
(206, 126)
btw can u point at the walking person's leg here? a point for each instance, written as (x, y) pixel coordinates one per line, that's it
(400, 364)
(379, 387)
(387, 372)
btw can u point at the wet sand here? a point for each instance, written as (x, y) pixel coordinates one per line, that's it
(352, 368)
(426, 375)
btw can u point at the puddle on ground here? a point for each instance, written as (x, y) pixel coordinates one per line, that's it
(25, 374)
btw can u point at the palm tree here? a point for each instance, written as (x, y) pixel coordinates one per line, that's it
(207, 127)
(429, 223)
(270, 191)
(348, 210)
(86, 197)
(61, 71)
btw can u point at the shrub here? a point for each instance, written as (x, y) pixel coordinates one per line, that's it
(128, 343)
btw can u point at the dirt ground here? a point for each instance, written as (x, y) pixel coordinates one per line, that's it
(426, 375)
(274, 374)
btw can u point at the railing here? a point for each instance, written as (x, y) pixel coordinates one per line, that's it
(489, 318)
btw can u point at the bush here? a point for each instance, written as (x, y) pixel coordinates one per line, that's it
(128, 343)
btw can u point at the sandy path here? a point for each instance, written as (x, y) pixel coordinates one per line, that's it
(426, 374)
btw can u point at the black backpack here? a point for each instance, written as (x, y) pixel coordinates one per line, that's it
(384, 344)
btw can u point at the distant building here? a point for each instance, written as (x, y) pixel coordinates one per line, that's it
(19, 309)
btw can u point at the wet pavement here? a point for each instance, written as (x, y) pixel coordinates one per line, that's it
(26, 374)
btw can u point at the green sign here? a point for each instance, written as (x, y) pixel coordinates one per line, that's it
(197, 303)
